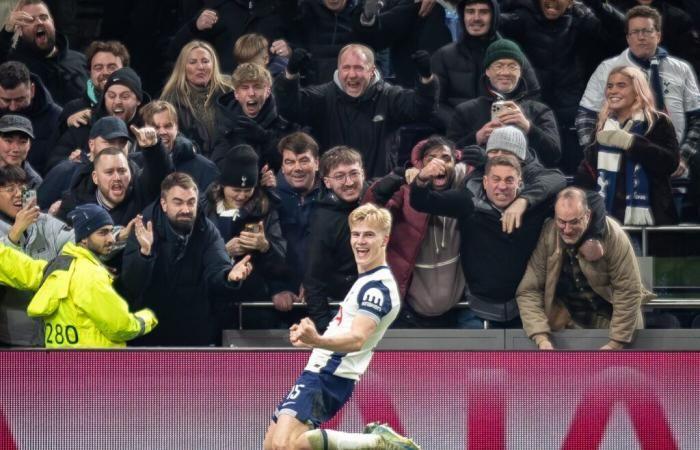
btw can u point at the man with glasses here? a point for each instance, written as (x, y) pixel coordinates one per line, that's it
(331, 268)
(506, 102)
(562, 290)
(38, 236)
(671, 79)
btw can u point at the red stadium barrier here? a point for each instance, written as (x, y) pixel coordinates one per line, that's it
(444, 400)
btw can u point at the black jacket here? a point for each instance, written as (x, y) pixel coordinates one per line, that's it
(564, 52)
(64, 74)
(185, 159)
(143, 189)
(460, 65)
(658, 153)
(365, 123)
(323, 33)
(399, 28)
(43, 113)
(331, 268)
(236, 18)
(261, 132)
(543, 137)
(72, 107)
(177, 280)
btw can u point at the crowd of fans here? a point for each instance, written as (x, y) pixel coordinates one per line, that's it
(275, 119)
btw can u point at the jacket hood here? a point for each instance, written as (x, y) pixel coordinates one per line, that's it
(41, 102)
(183, 150)
(495, 21)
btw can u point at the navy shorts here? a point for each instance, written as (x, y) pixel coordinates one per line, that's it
(315, 398)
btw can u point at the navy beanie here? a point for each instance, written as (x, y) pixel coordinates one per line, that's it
(240, 167)
(87, 219)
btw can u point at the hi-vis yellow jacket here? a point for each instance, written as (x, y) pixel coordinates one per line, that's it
(77, 302)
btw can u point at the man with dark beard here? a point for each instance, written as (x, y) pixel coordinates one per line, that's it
(182, 268)
(29, 36)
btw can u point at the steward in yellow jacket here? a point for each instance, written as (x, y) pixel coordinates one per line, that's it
(75, 297)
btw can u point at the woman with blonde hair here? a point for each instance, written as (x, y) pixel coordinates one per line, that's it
(193, 86)
(634, 154)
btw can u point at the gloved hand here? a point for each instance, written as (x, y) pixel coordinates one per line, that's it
(299, 60)
(421, 59)
(371, 8)
(615, 138)
(149, 319)
(251, 130)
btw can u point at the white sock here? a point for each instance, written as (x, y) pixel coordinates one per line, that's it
(337, 440)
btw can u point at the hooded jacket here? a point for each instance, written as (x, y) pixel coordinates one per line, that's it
(64, 74)
(263, 137)
(460, 65)
(43, 113)
(331, 269)
(365, 123)
(43, 240)
(410, 227)
(142, 190)
(178, 279)
(543, 137)
(75, 298)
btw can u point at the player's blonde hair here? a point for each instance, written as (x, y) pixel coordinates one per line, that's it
(373, 215)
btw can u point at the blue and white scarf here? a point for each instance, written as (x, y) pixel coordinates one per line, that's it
(637, 189)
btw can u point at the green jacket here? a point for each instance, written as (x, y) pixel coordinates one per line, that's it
(77, 302)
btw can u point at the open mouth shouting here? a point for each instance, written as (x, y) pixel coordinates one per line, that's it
(252, 107)
(117, 189)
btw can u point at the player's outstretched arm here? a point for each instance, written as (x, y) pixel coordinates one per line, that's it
(304, 334)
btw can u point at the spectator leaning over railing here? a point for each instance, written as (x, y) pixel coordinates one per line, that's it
(74, 293)
(634, 153)
(562, 290)
(39, 236)
(176, 263)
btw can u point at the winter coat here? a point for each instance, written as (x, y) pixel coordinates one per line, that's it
(295, 214)
(64, 74)
(236, 18)
(43, 113)
(323, 33)
(77, 104)
(555, 48)
(192, 127)
(265, 130)
(185, 159)
(178, 279)
(365, 123)
(331, 268)
(399, 28)
(459, 66)
(543, 137)
(615, 277)
(43, 240)
(75, 298)
(657, 151)
(143, 189)
(493, 261)
(269, 266)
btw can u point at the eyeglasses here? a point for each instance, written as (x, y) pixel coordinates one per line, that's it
(342, 177)
(510, 67)
(12, 188)
(646, 32)
(573, 222)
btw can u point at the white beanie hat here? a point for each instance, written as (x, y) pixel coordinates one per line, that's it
(509, 139)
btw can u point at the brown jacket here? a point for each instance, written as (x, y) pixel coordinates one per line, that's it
(615, 277)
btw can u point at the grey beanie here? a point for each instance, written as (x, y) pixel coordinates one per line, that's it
(509, 139)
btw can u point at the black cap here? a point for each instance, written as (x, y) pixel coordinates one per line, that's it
(126, 77)
(12, 123)
(109, 127)
(240, 167)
